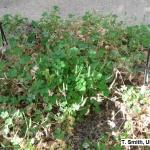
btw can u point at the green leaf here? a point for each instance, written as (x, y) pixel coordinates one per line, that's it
(4, 114)
(81, 85)
(104, 88)
(17, 51)
(13, 42)
(8, 121)
(101, 146)
(59, 134)
(101, 53)
(12, 73)
(2, 65)
(25, 59)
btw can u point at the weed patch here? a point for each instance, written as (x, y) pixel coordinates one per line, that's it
(58, 72)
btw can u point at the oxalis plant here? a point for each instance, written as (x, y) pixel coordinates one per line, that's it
(56, 70)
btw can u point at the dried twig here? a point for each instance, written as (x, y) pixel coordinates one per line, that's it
(116, 75)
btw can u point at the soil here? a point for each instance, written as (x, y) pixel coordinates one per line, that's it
(94, 125)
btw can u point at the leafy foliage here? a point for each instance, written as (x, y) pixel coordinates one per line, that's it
(54, 68)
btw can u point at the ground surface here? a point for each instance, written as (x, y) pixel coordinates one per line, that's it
(128, 10)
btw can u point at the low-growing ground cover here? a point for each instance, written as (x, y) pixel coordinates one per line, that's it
(72, 84)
